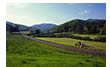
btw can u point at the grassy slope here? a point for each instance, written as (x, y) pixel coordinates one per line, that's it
(100, 46)
(22, 52)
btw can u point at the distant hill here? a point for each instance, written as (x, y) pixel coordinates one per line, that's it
(95, 20)
(20, 27)
(37, 26)
(43, 26)
(10, 23)
(90, 26)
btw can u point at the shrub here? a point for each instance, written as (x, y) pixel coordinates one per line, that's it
(86, 38)
(46, 35)
(102, 39)
(64, 35)
(81, 38)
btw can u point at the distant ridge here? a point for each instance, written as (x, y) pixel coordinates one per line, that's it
(43, 26)
(94, 20)
(21, 27)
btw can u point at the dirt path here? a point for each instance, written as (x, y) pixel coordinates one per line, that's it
(67, 47)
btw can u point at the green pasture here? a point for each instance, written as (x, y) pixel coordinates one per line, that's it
(92, 36)
(25, 32)
(96, 46)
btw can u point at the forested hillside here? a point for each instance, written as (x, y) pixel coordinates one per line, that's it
(90, 26)
(12, 26)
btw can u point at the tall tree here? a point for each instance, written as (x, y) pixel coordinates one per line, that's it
(37, 31)
(31, 31)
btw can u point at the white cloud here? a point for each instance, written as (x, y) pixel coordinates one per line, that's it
(26, 20)
(84, 12)
(19, 19)
(18, 5)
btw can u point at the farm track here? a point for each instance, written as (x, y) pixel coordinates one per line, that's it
(66, 47)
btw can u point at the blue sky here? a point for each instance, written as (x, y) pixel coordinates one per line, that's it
(56, 13)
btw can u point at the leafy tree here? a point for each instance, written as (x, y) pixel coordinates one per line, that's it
(37, 31)
(31, 31)
(85, 29)
(103, 31)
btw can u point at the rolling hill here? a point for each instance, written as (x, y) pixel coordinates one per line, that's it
(20, 26)
(36, 26)
(90, 26)
(43, 26)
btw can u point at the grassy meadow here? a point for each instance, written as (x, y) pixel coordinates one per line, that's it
(97, 46)
(25, 32)
(22, 52)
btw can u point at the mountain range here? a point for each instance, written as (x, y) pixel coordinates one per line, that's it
(43, 26)
(90, 26)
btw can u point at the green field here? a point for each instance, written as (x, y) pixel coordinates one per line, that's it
(92, 36)
(22, 52)
(25, 32)
(97, 46)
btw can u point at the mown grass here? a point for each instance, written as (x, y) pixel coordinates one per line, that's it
(25, 32)
(91, 36)
(22, 52)
(96, 46)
